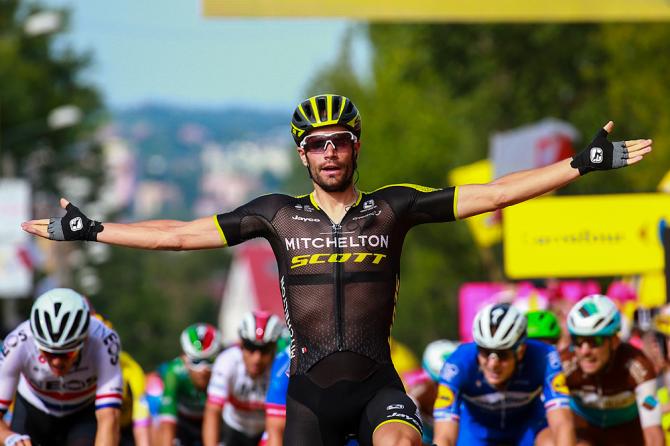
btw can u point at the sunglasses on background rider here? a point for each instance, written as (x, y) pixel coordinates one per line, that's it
(264, 349)
(502, 355)
(60, 355)
(318, 143)
(200, 363)
(591, 341)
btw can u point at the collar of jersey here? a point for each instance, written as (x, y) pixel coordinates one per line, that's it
(315, 204)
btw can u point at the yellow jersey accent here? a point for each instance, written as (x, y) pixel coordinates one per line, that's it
(559, 384)
(134, 408)
(396, 421)
(413, 186)
(312, 199)
(445, 397)
(456, 188)
(223, 236)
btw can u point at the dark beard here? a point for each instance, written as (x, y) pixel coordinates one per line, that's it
(338, 187)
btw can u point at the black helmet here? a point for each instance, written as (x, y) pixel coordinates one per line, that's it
(323, 110)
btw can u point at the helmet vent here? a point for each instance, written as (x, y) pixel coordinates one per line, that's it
(75, 325)
(57, 306)
(37, 325)
(322, 108)
(509, 330)
(309, 112)
(297, 117)
(337, 103)
(600, 321)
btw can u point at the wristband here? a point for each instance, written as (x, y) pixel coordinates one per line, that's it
(15, 438)
(74, 225)
(601, 154)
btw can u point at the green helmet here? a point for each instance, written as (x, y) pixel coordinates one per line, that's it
(543, 324)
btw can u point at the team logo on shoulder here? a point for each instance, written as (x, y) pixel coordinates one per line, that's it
(445, 398)
(554, 359)
(368, 205)
(449, 371)
(559, 385)
(650, 402)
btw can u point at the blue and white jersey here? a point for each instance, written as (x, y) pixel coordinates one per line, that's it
(275, 399)
(538, 379)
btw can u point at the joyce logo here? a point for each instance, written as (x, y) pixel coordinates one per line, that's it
(76, 224)
(596, 155)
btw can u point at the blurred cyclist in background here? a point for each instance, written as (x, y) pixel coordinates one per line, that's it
(239, 383)
(185, 383)
(63, 367)
(612, 383)
(135, 415)
(661, 328)
(502, 388)
(543, 326)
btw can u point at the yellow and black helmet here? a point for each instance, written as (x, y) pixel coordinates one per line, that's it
(323, 110)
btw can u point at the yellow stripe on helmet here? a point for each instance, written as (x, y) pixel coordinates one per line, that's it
(329, 106)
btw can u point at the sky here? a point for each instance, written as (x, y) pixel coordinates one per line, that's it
(167, 52)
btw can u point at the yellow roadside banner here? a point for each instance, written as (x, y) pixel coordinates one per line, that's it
(447, 10)
(486, 228)
(651, 289)
(585, 236)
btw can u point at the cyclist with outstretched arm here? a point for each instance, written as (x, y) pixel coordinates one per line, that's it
(336, 248)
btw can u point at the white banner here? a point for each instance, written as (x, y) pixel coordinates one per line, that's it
(16, 277)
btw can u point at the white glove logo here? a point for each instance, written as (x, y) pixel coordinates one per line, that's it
(596, 155)
(76, 224)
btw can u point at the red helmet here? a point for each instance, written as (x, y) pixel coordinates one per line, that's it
(260, 328)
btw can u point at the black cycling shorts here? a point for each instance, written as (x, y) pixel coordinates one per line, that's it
(233, 437)
(77, 429)
(327, 416)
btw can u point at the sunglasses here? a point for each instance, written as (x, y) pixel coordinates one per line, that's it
(264, 349)
(318, 143)
(502, 355)
(67, 356)
(200, 363)
(591, 341)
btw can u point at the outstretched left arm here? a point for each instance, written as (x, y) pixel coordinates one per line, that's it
(514, 188)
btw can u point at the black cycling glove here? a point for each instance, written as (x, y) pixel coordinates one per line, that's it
(601, 155)
(74, 225)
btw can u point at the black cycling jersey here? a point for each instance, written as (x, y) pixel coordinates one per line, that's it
(338, 282)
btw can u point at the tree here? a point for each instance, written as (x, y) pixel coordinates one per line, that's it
(37, 77)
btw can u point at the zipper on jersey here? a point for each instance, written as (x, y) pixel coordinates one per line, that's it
(337, 231)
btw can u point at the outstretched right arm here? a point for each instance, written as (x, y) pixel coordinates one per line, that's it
(173, 235)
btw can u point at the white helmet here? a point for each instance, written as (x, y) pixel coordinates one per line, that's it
(59, 320)
(434, 356)
(594, 315)
(260, 328)
(499, 327)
